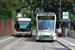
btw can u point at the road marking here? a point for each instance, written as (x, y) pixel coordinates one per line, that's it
(6, 39)
(67, 41)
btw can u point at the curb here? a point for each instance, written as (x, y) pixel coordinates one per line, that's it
(66, 45)
(7, 38)
(6, 41)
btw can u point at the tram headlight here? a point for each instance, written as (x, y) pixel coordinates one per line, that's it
(40, 34)
(51, 34)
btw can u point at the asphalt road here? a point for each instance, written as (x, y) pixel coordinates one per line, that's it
(29, 43)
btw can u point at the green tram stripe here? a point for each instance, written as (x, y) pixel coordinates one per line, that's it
(45, 38)
(65, 15)
(23, 34)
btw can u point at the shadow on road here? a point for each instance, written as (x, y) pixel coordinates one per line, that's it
(32, 38)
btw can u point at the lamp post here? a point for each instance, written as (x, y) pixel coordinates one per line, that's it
(30, 5)
(60, 13)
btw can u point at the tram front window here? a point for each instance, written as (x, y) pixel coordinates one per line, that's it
(23, 26)
(47, 25)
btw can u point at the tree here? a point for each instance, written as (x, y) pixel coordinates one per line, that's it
(43, 5)
(72, 18)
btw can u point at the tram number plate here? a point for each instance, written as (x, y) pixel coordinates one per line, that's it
(23, 34)
(46, 36)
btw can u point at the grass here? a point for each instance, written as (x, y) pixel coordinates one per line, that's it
(2, 35)
(8, 35)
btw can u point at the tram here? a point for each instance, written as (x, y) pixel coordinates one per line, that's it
(45, 26)
(23, 27)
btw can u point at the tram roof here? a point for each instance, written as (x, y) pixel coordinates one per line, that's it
(24, 19)
(46, 14)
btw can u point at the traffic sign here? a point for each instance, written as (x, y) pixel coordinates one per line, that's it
(65, 15)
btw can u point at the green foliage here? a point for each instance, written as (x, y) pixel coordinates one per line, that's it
(7, 13)
(13, 14)
(8, 8)
(31, 15)
(42, 10)
(34, 28)
(72, 18)
(3, 14)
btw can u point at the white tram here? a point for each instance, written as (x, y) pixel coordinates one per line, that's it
(45, 26)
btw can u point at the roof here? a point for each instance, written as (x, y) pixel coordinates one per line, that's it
(24, 19)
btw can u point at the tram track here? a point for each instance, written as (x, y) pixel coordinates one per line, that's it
(59, 46)
(12, 44)
(43, 46)
(18, 43)
(48, 46)
(52, 46)
(7, 42)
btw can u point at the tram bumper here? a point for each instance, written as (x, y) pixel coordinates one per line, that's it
(45, 37)
(23, 34)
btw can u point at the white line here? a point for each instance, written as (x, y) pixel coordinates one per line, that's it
(67, 41)
(6, 39)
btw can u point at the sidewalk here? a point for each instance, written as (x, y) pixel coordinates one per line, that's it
(1, 38)
(67, 41)
(5, 40)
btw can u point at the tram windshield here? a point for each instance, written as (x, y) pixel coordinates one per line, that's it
(23, 26)
(47, 25)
